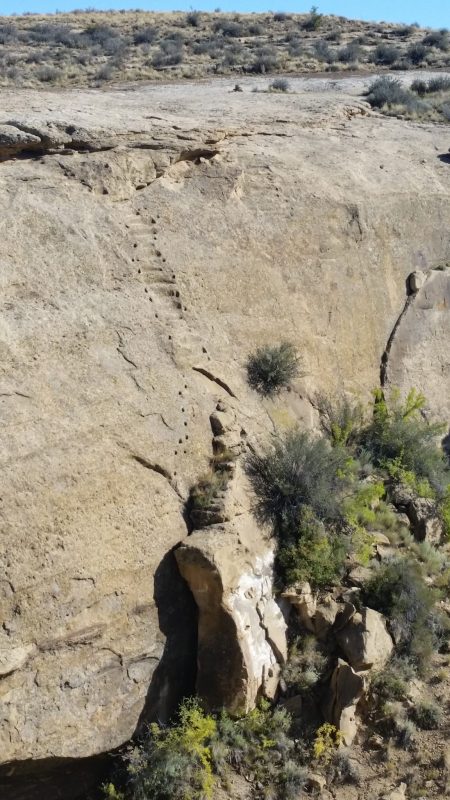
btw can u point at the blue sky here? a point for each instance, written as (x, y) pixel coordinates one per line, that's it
(435, 13)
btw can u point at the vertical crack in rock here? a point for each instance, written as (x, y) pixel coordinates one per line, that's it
(414, 286)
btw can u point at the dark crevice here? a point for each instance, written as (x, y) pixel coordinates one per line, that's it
(196, 154)
(214, 379)
(154, 467)
(385, 356)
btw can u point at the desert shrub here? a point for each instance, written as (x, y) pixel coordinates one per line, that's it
(397, 589)
(343, 769)
(433, 86)
(258, 744)
(305, 667)
(297, 471)
(391, 683)
(427, 716)
(279, 85)
(385, 54)
(420, 87)
(105, 73)
(323, 52)
(405, 733)
(313, 555)
(194, 18)
(387, 91)
(416, 53)
(445, 511)
(280, 16)
(170, 54)
(206, 491)
(266, 61)
(314, 20)
(342, 420)
(8, 33)
(334, 36)
(400, 436)
(47, 74)
(326, 742)
(403, 31)
(438, 39)
(230, 28)
(350, 53)
(145, 35)
(440, 84)
(271, 369)
(174, 763)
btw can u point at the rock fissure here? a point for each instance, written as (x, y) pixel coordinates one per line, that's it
(208, 374)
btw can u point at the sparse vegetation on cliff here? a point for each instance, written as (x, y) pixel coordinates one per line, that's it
(272, 368)
(189, 758)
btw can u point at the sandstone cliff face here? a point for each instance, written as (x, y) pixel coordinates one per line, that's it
(140, 262)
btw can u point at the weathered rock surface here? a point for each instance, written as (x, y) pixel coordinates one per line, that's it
(241, 630)
(345, 692)
(423, 515)
(152, 239)
(365, 640)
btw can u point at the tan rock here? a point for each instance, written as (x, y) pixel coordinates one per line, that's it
(301, 597)
(416, 280)
(111, 367)
(241, 630)
(397, 794)
(325, 616)
(316, 782)
(425, 521)
(365, 641)
(346, 690)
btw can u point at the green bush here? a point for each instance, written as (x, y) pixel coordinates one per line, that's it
(205, 493)
(391, 683)
(271, 369)
(299, 470)
(399, 435)
(341, 420)
(397, 589)
(314, 555)
(314, 20)
(426, 716)
(258, 744)
(184, 760)
(174, 763)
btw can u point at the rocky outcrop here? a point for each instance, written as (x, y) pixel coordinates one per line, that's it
(241, 630)
(365, 640)
(422, 512)
(419, 353)
(139, 266)
(345, 691)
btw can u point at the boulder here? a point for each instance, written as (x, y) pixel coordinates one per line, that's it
(325, 616)
(426, 523)
(241, 630)
(416, 280)
(302, 599)
(365, 641)
(13, 140)
(358, 576)
(397, 794)
(345, 691)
